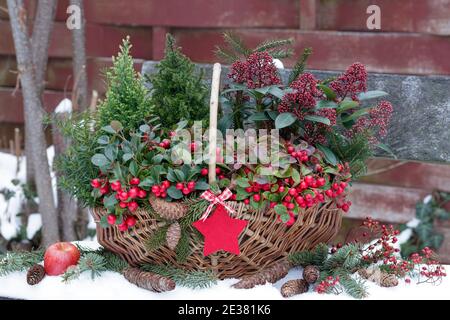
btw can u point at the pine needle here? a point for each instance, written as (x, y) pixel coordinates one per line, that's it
(191, 279)
(157, 239)
(316, 256)
(300, 66)
(19, 261)
(269, 45)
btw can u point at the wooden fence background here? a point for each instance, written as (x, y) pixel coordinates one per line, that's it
(414, 40)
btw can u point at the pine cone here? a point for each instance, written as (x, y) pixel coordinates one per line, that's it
(168, 210)
(379, 277)
(311, 274)
(271, 274)
(293, 287)
(388, 280)
(173, 235)
(148, 280)
(35, 274)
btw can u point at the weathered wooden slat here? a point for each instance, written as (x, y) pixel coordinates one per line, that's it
(192, 13)
(419, 126)
(101, 40)
(402, 53)
(384, 203)
(11, 109)
(59, 72)
(424, 16)
(409, 174)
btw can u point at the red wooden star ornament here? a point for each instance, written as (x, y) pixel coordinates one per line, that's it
(221, 232)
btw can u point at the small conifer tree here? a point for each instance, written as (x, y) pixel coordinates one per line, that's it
(126, 98)
(178, 92)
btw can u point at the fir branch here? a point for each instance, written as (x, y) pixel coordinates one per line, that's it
(282, 53)
(183, 248)
(157, 239)
(316, 256)
(236, 44)
(347, 257)
(90, 261)
(191, 279)
(270, 45)
(113, 262)
(226, 55)
(19, 261)
(300, 65)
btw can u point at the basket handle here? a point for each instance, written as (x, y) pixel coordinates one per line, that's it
(213, 110)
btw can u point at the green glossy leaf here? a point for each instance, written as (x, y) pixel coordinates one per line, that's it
(314, 118)
(329, 93)
(174, 193)
(111, 152)
(280, 209)
(276, 92)
(330, 157)
(109, 129)
(103, 140)
(134, 168)
(326, 104)
(372, 95)
(104, 222)
(127, 156)
(99, 160)
(201, 185)
(110, 202)
(355, 115)
(347, 105)
(242, 182)
(258, 116)
(144, 128)
(272, 114)
(284, 120)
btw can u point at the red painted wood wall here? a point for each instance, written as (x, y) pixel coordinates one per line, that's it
(414, 39)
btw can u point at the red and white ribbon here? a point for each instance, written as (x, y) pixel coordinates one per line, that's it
(220, 199)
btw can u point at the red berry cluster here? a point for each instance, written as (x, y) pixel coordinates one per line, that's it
(127, 196)
(329, 285)
(383, 250)
(352, 82)
(160, 191)
(186, 187)
(256, 72)
(165, 144)
(127, 222)
(101, 184)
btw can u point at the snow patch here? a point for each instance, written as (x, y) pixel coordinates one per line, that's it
(65, 106)
(278, 63)
(34, 224)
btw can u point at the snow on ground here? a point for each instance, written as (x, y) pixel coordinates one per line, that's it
(113, 286)
(9, 223)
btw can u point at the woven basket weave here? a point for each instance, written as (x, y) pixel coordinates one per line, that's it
(263, 242)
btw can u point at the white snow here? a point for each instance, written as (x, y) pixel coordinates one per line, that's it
(278, 63)
(113, 286)
(9, 223)
(65, 106)
(34, 224)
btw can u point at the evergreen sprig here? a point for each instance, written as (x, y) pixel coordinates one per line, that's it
(235, 48)
(300, 65)
(315, 257)
(157, 239)
(343, 263)
(75, 164)
(91, 261)
(356, 151)
(14, 261)
(126, 97)
(191, 279)
(178, 92)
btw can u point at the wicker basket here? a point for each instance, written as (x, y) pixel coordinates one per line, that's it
(263, 242)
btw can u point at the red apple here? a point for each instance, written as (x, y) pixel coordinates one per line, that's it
(59, 256)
